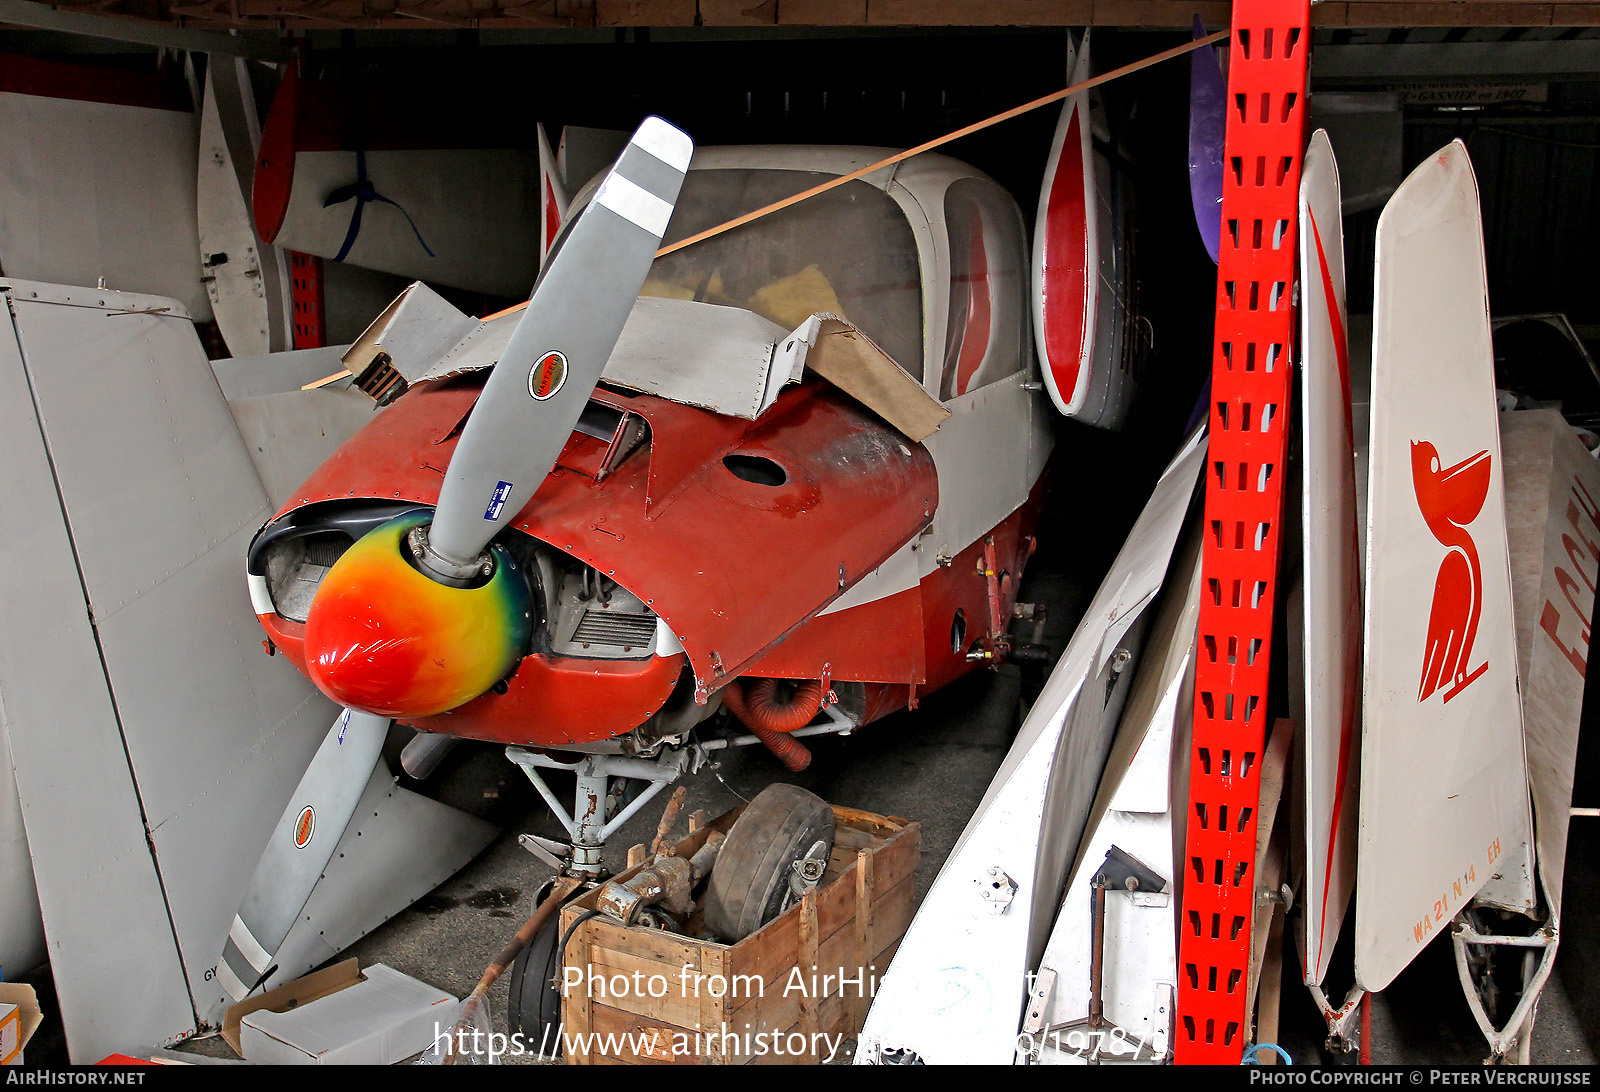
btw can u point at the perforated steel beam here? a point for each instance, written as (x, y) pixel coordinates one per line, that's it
(1252, 348)
(305, 294)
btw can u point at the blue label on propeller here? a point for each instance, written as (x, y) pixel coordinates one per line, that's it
(497, 502)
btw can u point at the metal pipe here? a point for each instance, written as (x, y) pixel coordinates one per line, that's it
(1366, 1029)
(1472, 936)
(843, 723)
(1500, 1041)
(669, 818)
(558, 896)
(424, 752)
(667, 767)
(1097, 958)
(747, 741)
(1340, 1019)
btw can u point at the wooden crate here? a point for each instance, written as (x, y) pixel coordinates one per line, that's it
(668, 999)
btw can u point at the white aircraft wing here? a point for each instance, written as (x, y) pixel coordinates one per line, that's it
(1330, 566)
(955, 990)
(1444, 798)
(155, 744)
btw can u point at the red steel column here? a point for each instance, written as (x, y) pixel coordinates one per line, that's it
(305, 295)
(1250, 397)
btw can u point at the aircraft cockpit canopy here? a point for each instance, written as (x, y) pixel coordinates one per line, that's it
(849, 252)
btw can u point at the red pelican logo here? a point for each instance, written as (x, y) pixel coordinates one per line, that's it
(1450, 498)
(547, 376)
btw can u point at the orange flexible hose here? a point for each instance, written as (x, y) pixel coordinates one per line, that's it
(769, 719)
(762, 701)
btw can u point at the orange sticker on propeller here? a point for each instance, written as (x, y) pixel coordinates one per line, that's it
(547, 376)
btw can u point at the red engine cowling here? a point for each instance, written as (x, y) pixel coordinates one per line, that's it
(718, 536)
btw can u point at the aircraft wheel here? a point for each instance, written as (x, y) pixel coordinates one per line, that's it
(749, 884)
(535, 1004)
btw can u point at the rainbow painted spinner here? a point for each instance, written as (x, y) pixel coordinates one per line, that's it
(547, 376)
(384, 638)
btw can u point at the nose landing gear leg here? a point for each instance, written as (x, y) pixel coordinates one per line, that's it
(597, 811)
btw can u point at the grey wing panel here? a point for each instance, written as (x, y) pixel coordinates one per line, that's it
(162, 499)
(81, 811)
(100, 192)
(289, 435)
(21, 927)
(276, 373)
(409, 845)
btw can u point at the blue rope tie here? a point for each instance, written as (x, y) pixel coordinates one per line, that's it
(363, 192)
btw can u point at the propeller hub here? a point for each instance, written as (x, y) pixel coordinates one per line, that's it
(387, 638)
(454, 573)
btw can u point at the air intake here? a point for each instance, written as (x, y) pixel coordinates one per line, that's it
(625, 631)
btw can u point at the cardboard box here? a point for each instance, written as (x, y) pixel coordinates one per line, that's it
(20, 1017)
(335, 1017)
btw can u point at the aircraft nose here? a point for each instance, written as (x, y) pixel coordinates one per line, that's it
(385, 638)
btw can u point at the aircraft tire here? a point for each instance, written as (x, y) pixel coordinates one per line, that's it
(750, 879)
(534, 1007)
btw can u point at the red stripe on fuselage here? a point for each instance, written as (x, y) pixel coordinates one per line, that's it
(1341, 350)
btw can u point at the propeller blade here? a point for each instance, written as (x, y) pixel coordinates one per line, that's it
(301, 845)
(549, 368)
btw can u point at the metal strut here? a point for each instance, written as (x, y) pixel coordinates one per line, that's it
(1537, 963)
(599, 808)
(591, 820)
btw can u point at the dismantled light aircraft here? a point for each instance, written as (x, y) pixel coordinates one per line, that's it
(674, 463)
(579, 528)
